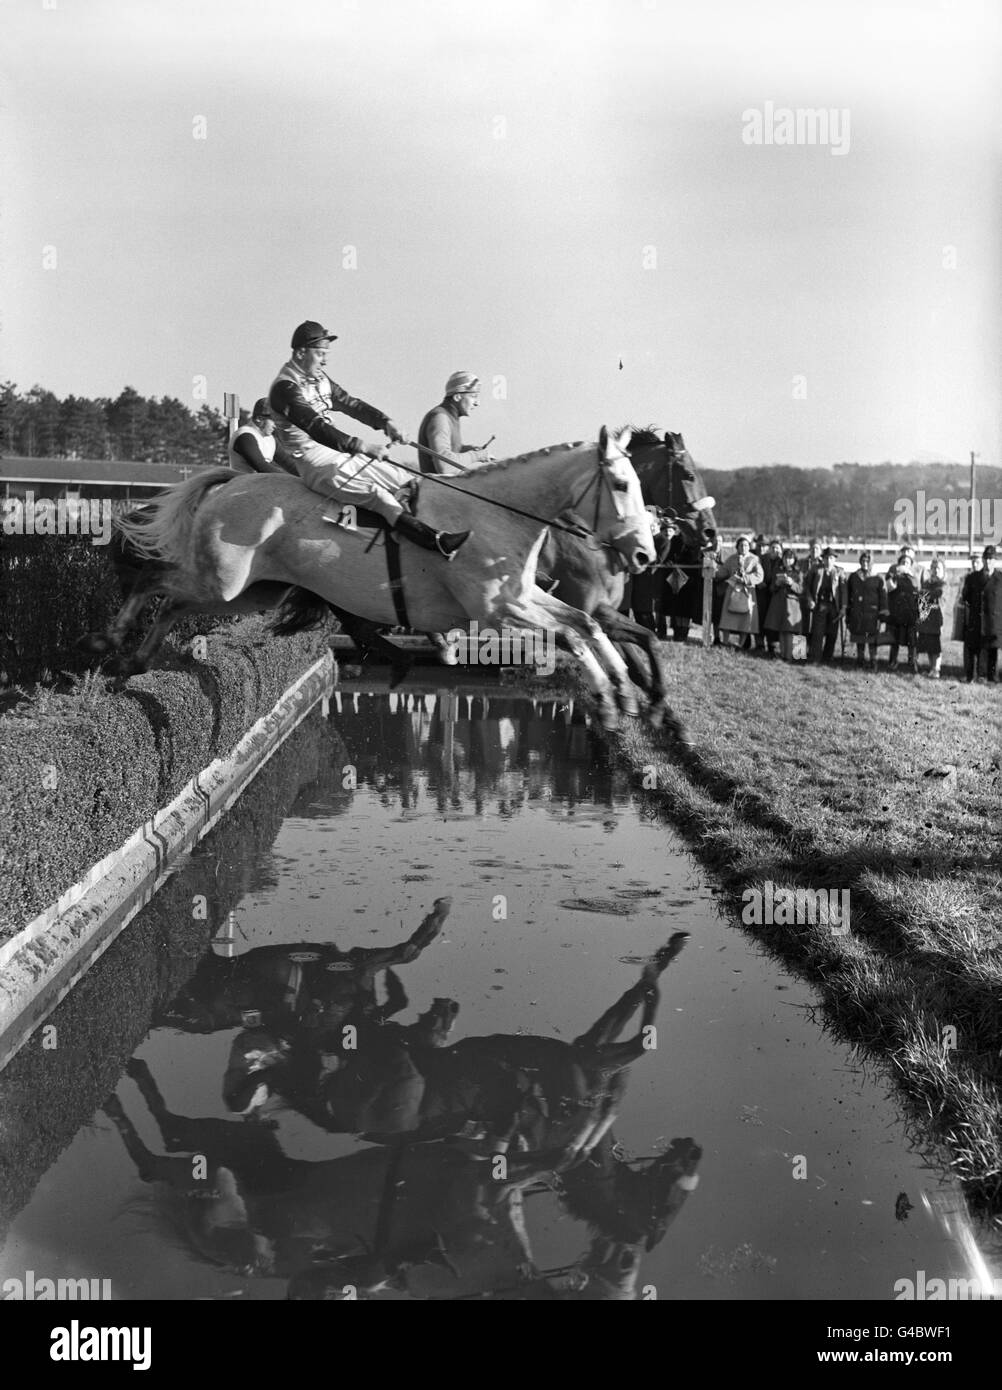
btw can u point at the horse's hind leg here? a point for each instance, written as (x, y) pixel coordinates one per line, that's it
(605, 1030)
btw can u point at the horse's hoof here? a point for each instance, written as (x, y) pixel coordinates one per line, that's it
(656, 716)
(608, 717)
(628, 705)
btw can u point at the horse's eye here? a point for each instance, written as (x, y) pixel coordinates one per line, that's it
(621, 487)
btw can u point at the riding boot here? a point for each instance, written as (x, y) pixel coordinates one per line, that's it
(445, 542)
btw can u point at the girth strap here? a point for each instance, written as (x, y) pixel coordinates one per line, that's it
(396, 579)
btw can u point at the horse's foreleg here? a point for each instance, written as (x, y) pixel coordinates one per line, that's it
(100, 643)
(148, 1164)
(140, 659)
(591, 630)
(572, 631)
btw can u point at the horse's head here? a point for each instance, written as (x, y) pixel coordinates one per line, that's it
(621, 518)
(246, 1083)
(670, 480)
(434, 1026)
(629, 1207)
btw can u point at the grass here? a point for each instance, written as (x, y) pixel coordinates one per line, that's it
(885, 785)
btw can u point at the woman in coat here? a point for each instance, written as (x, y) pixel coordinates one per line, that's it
(741, 574)
(867, 605)
(930, 622)
(784, 615)
(902, 606)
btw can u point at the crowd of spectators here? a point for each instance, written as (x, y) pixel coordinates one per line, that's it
(765, 597)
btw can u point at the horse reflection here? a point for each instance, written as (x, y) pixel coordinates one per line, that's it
(424, 1220)
(420, 1214)
(313, 983)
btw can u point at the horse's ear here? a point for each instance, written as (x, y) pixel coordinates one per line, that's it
(603, 441)
(624, 440)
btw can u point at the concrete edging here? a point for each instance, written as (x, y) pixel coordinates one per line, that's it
(42, 963)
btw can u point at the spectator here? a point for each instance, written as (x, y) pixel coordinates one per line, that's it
(867, 604)
(902, 605)
(647, 586)
(971, 596)
(812, 560)
(683, 591)
(784, 617)
(991, 615)
(741, 574)
(772, 563)
(930, 616)
(825, 598)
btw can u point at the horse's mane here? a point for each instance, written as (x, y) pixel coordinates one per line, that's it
(502, 464)
(644, 436)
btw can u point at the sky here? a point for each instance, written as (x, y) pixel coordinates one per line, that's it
(563, 196)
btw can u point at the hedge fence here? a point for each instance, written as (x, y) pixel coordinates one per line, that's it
(54, 590)
(80, 772)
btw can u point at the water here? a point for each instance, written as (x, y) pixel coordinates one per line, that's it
(560, 891)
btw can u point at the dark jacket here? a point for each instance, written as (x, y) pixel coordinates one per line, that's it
(902, 600)
(867, 604)
(785, 611)
(972, 595)
(991, 611)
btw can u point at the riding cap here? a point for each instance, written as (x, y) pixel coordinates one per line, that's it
(310, 334)
(461, 382)
(989, 553)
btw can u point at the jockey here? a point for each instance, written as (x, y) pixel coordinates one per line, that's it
(252, 448)
(440, 437)
(303, 398)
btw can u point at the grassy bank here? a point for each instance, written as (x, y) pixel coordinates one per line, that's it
(885, 786)
(80, 770)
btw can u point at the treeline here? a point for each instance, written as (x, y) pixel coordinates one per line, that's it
(849, 499)
(37, 424)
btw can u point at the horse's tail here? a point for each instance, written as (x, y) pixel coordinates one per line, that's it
(299, 610)
(159, 531)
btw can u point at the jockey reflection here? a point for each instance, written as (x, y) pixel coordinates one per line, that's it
(435, 1209)
(303, 398)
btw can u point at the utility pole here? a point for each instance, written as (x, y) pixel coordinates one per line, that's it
(970, 509)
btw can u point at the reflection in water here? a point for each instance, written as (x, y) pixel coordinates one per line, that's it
(249, 999)
(486, 754)
(465, 1132)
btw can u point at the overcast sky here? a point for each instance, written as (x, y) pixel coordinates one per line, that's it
(533, 191)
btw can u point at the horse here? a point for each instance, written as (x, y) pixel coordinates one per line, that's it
(396, 1215)
(428, 1220)
(219, 535)
(589, 579)
(349, 1070)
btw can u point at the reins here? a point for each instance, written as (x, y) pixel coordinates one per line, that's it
(492, 501)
